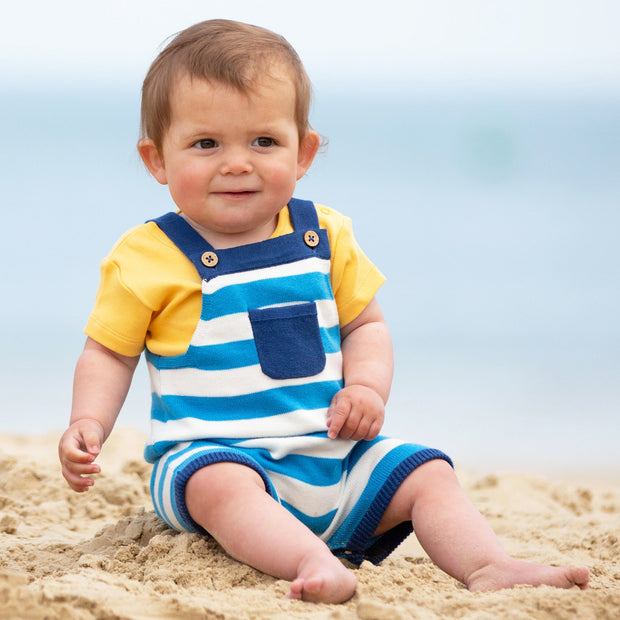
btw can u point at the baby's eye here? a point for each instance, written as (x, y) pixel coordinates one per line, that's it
(264, 142)
(206, 144)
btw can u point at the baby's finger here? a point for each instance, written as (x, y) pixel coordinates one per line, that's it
(375, 429)
(73, 452)
(337, 419)
(76, 482)
(350, 429)
(82, 468)
(361, 432)
(92, 442)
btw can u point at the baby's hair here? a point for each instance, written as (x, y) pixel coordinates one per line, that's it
(224, 52)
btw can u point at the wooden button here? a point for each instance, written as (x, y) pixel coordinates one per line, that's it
(209, 259)
(311, 239)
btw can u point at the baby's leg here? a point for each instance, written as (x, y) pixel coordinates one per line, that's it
(229, 500)
(458, 538)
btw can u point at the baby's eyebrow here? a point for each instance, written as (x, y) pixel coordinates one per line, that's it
(200, 134)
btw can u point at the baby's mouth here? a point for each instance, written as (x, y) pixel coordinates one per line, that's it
(236, 195)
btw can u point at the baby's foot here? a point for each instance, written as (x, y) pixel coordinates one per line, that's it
(511, 572)
(323, 579)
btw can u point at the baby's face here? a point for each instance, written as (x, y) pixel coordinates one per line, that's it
(231, 159)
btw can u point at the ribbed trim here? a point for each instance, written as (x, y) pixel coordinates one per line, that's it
(362, 545)
(185, 473)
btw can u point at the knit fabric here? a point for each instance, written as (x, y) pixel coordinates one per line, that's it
(254, 387)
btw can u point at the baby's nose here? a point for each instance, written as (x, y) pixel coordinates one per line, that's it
(236, 161)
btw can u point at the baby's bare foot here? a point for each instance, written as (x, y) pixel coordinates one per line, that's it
(323, 579)
(511, 572)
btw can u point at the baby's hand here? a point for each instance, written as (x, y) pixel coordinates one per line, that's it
(78, 448)
(356, 412)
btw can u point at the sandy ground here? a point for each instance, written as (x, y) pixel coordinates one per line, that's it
(105, 554)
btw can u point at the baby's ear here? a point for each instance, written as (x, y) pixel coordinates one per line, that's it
(307, 150)
(153, 160)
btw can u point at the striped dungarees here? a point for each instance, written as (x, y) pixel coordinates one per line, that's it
(254, 387)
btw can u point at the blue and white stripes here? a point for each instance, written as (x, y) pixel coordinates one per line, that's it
(255, 385)
(220, 388)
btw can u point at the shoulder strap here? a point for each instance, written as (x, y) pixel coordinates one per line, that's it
(287, 248)
(184, 237)
(303, 214)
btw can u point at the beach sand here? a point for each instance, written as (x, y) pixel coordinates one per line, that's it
(105, 555)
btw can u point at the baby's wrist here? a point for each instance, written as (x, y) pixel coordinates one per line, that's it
(87, 420)
(367, 388)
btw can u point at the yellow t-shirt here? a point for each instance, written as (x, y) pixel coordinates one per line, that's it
(150, 294)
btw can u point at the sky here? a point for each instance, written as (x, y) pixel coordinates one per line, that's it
(539, 44)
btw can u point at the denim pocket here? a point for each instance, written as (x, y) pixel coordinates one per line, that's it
(288, 340)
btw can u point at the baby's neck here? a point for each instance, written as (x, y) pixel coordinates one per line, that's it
(223, 241)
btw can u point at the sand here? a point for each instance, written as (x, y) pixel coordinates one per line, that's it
(104, 554)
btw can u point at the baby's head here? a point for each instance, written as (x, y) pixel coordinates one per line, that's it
(222, 52)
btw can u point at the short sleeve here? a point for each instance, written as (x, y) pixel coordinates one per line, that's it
(149, 295)
(354, 277)
(119, 319)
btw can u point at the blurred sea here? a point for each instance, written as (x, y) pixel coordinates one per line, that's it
(495, 218)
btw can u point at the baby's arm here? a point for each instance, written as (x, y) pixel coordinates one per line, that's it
(357, 411)
(102, 380)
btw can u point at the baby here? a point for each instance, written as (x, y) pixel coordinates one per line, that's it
(269, 357)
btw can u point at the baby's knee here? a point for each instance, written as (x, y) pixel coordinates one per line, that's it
(436, 469)
(430, 476)
(219, 483)
(435, 475)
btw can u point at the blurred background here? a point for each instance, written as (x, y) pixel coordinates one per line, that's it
(476, 145)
